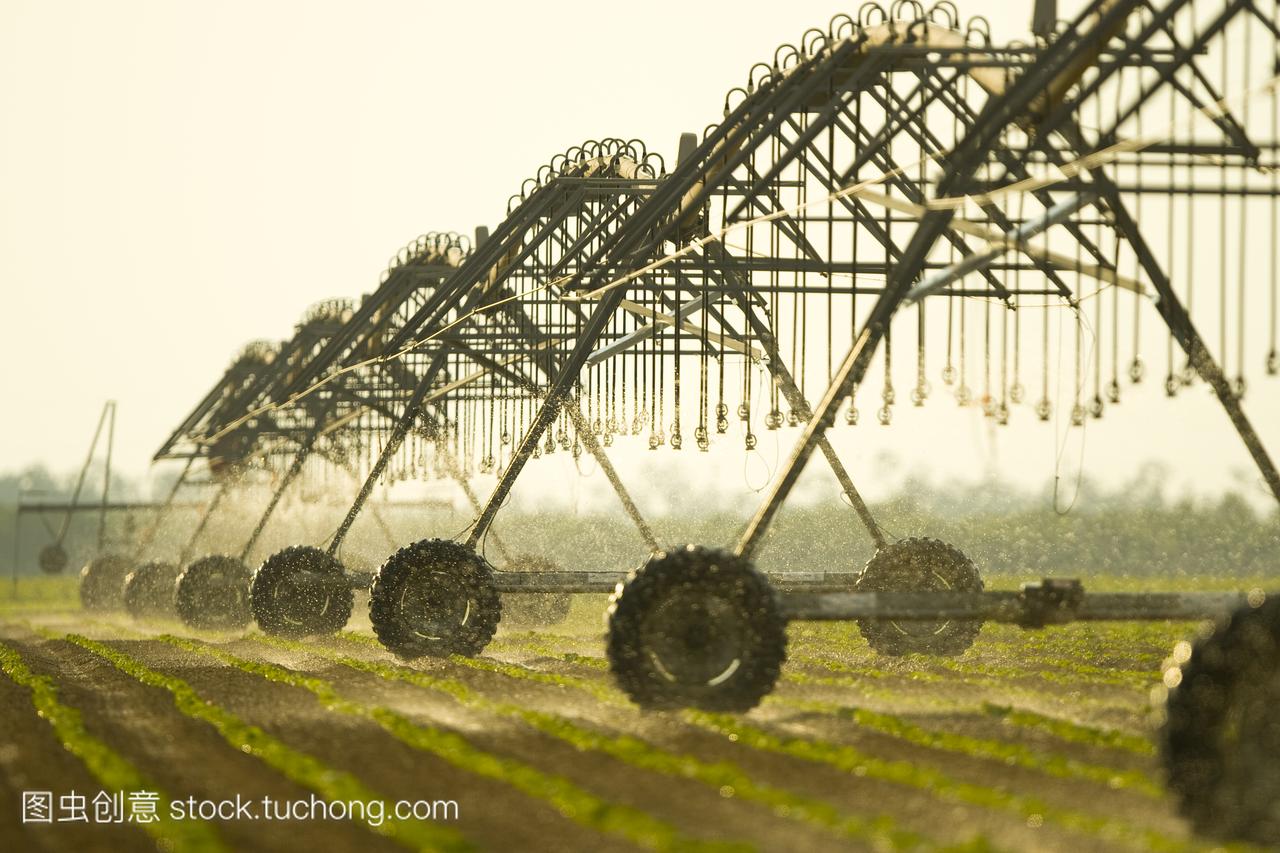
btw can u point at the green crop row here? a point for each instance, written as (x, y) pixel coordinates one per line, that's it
(536, 642)
(721, 776)
(1130, 702)
(569, 799)
(1041, 654)
(934, 782)
(1068, 647)
(1010, 754)
(857, 678)
(855, 675)
(990, 669)
(899, 772)
(1003, 751)
(300, 767)
(846, 675)
(1033, 661)
(974, 664)
(116, 773)
(1073, 732)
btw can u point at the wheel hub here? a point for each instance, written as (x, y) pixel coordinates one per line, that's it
(432, 606)
(695, 639)
(302, 596)
(696, 628)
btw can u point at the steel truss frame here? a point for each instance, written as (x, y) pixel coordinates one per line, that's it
(818, 89)
(909, 133)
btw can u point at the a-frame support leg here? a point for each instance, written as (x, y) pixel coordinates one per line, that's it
(163, 514)
(455, 471)
(593, 447)
(852, 370)
(611, 474)
(558, 394)
(204, 522)
(299, 459)
(1180, 325)
(1080, 43)
(382, 525)
(398, 432)
(795, 398)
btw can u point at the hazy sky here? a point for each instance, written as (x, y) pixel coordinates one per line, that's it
(177, 178)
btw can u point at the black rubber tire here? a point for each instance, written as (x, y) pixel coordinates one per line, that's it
(102, 583)
(1220, 742)
(919, 565)
(53, 559)
(677, 599)
(212, 594)
(440, 580)
(285, 602)
(149, 590)
(534, 609)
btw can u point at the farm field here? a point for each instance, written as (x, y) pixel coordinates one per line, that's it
(1029, 741)
(721, 324)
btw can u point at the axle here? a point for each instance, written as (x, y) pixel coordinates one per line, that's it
(1050, 602)
(829, 596)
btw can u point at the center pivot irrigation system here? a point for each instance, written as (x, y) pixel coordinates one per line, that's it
(893, 173)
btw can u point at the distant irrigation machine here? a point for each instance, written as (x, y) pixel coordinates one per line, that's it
(145, 585)
(891, 172)
(248, 423)
(212, 590)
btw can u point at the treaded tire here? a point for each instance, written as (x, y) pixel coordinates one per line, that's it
(534, 609)
(212, 594)
(300, 592)
(53, 559)
(149, 590)
(919, 565)
(434, 598)
(102, 583)
(1220, 742)
(696, 627)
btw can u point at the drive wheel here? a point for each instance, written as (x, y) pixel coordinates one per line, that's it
(696, 627)
(102, 582)
(919, 565)
(300, 592)
(213, 594)
(148, 590)
(53, 559)
(1221, 739)
(436, 598)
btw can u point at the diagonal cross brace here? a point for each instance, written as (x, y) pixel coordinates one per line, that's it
(1013, 239)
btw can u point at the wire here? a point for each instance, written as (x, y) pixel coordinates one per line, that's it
(1083, 318)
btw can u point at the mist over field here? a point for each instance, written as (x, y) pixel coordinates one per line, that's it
(1142, 529)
